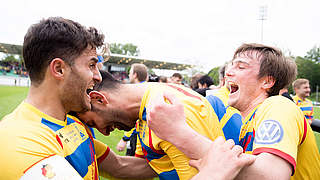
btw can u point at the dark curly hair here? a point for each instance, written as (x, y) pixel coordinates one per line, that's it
(56, 37)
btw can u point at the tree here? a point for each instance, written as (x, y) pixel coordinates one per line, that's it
(214, 74)
(310, 70)
(124, 49)
(314, 54)
(9, 58)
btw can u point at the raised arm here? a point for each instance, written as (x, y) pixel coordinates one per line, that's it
(126, 167)
(167, 109)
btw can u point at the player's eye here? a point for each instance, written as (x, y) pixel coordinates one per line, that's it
(93, 65)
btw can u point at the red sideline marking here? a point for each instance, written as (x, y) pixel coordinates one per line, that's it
(37, 162)
(184, 92)
(279, 153)
(105, 154)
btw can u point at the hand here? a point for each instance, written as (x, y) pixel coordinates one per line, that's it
(160, 116)
(121, 146)
(224, 160)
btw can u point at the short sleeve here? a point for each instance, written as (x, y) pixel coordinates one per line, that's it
(278, 127)
(101, 150)
(179, 160)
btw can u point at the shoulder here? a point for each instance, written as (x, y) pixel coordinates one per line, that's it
(279, 108)
(278, 101)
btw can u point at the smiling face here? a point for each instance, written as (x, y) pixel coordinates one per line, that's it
(303, 91)
(244, 84)
(80, 77)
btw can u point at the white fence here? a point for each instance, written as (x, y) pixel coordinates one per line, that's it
(14, 81)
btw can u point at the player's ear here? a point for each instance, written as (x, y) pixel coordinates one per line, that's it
(268, 82)
(57, 68)
(97, 96)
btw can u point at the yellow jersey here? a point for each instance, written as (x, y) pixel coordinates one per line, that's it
(30, 136)
(278, 126)
(306, 107)
(230, 118)
(166, 160)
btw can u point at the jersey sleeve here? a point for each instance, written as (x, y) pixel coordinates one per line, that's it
(279, 128)
(101, 150)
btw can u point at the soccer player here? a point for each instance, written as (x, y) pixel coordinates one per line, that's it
(61, 59)
(302, 89)
(120, 105)
(274, 129)
(229, 117)
(138, 74)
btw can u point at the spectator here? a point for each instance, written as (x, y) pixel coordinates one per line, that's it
(194, 81)
(176, 78)
(163, 79)
(204, 83)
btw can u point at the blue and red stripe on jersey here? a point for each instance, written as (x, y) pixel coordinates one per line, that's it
(83, 156)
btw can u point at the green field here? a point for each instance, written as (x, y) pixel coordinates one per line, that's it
(11, 96)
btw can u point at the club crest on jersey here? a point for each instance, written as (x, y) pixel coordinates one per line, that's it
(47, 171)
(269, 132)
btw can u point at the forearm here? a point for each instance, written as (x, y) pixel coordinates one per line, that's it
(191, 143)
(128, 167)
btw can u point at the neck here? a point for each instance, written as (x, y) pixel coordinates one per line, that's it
(253, 104)
(301, 97)
(45, 98)
(132, 95)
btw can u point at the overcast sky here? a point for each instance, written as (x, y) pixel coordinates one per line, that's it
(194, 32)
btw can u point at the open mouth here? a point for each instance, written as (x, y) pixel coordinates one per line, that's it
(233, 87)
(90, 88)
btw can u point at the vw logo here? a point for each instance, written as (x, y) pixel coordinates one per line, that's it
(269, 132)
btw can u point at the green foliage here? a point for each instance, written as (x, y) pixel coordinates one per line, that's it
(314, 54)
(124, 49)
(9, 58)
(310, 70)
(214, 74)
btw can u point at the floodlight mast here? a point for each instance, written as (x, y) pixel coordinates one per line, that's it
(262, 17)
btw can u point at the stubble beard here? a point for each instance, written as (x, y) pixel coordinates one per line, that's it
(73, 96)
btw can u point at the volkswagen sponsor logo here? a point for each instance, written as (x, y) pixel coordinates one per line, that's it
(269, 132)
